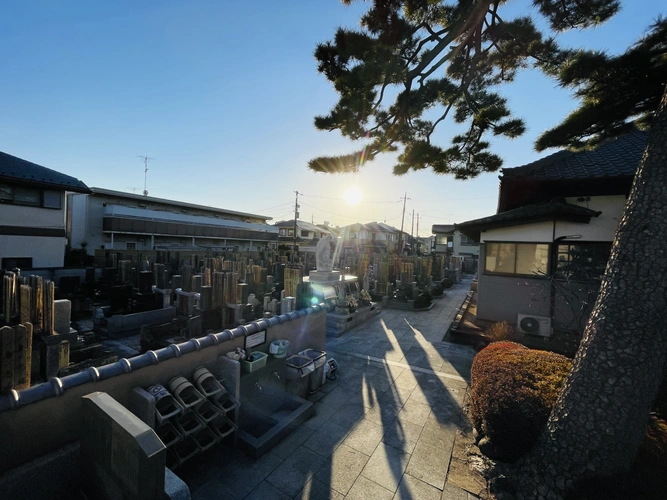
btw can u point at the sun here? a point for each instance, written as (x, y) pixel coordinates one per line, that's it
(352, 196)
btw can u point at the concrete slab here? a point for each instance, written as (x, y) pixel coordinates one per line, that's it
(342, 469)
(386, 466)
(326, 439)
(365, 437)
(291, 475)
(412, 488)
(365, 489)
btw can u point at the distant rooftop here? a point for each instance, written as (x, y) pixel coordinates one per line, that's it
(153, 199)
(302, 224)
(617, 157)
(443, 228)
(16, 169)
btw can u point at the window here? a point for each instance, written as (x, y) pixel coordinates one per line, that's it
(130, 246)
(517, 258)
(52, 199)
(466, 241)
(31, 197)
(441, 239)
(581, 261)
(305, 234)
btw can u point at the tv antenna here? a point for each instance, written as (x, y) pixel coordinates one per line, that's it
(146, 160)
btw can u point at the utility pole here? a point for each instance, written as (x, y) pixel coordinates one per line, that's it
(146, 160)
(412, 231)
(418, 228)
(400, 236)
(296, 216)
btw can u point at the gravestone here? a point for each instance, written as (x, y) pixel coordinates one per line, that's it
(62, 312)
(121, 456)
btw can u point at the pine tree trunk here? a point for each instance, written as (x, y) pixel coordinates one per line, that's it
(600, 417)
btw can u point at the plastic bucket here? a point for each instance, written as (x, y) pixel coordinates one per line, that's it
(297, 370)
(319, 360)
(279, 348)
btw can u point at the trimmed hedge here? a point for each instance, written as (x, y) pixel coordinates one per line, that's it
(513, 390)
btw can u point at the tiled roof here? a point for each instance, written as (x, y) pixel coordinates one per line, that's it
(442, 228)
(617, 157)
(552, 210)
(16, 169)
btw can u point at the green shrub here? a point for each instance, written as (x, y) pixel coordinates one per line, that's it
(437, 290)
(423, 300)
(447, 283)
(513, 390)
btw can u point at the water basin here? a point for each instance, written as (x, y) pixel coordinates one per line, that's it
(268, 412)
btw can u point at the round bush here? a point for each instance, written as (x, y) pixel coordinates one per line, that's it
(513, 390)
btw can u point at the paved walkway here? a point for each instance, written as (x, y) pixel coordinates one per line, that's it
(385, 429)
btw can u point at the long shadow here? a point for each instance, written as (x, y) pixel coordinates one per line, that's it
(367, 425)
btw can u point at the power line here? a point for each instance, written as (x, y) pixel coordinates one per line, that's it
(275, 206)
(343, 199)
(338, 214)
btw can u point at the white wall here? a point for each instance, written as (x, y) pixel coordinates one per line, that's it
(78, 213)
(537, 232)
(460, 248)
(602, 228)
(18, 215)
(46, 251)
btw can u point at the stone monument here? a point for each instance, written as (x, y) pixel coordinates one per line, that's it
(324, 262)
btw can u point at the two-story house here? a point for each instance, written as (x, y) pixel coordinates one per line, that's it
(450, 241)
(32, 213)
(307, 234)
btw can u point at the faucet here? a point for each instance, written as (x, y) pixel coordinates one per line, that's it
(276, 375)
(258, 386)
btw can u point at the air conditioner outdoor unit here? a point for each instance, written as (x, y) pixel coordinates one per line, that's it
(534, 325)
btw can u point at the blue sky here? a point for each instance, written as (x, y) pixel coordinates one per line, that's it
(223, 94)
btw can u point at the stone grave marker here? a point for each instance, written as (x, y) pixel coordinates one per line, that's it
(121, 456)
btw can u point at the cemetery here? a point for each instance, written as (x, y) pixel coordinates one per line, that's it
(229, 347)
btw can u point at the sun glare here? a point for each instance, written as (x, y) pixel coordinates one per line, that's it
(352, 196)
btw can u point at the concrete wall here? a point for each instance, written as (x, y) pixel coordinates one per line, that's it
(48, 424)
(46, 251)
(501, 298)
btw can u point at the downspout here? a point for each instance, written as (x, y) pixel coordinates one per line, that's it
(552, 279)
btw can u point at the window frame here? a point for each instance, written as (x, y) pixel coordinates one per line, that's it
(596, 245)
(39, 191)
(548, 265)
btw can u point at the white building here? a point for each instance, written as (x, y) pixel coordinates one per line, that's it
(544, 252)
(114, 220)
(32, 213)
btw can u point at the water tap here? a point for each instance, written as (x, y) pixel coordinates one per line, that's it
(276, 375)
(258, 386)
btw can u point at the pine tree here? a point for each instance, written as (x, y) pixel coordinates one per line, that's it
(417, 63)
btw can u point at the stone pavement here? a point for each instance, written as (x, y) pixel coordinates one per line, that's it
(385, 428)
